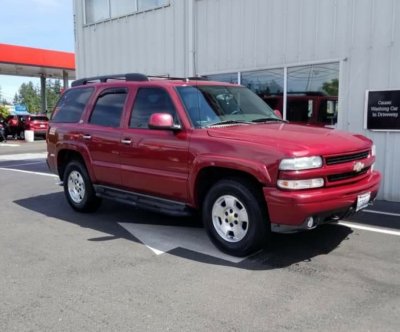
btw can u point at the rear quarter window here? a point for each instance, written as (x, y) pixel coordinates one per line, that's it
(71, 105)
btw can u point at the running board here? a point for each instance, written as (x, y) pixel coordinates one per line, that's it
(151, 203)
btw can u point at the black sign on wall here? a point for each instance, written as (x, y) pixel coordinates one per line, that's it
(383, 110)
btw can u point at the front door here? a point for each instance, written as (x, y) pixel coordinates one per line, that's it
(154, 161)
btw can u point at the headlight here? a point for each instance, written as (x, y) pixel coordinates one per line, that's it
(301, 184)
(296, 164)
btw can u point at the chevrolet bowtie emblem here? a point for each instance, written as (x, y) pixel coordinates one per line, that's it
(358, 166)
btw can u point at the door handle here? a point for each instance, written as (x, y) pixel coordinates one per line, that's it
(126, 141)
(86, 136)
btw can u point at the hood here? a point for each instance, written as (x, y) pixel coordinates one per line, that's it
(294, 140)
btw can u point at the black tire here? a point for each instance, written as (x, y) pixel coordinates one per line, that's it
(75, 179)
(246, 199)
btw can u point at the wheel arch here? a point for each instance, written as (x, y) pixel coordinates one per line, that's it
(65, 155)
(208, 176)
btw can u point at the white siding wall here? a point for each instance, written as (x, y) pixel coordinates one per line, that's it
(148, 42)
(239, 35)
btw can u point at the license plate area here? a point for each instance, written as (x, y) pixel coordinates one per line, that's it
(363, 200)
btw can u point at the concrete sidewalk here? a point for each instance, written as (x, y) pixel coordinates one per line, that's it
(20, 146)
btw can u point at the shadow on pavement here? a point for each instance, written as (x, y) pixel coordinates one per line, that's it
(284, 251)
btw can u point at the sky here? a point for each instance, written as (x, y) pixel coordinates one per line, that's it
(35, 23)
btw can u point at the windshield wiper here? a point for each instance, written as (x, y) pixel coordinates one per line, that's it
(227, 122)
(268, 120)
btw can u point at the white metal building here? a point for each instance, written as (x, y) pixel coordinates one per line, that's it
(296, 54)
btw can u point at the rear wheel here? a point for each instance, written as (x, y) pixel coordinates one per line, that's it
(235, 217)
(78, 188)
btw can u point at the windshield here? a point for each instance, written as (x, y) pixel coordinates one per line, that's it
(214, 105)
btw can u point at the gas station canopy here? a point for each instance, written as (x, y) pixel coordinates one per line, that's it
(35, 62)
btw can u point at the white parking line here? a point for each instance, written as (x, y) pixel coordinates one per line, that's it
(27, 172)
(23, 156)
(9, 144)
(369, 228)
(25, 164)
(381, 212)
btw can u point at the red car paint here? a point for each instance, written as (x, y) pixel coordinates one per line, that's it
(168, 163)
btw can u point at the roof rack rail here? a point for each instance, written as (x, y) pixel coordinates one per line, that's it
(131, 77)
(194, 78)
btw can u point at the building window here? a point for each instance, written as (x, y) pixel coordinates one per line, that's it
(311, 91)
(312, 94)
(228, 78)
(268, 84)
(97, 10)
(102, 10)
(122, 7)
(150, 4)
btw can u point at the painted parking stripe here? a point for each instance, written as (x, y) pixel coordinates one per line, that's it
(27, 172)
(25, 164)
(23, 156)
(369, 228)
(382, 212)
(9, 144)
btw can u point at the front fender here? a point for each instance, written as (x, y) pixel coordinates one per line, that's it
(255, 169)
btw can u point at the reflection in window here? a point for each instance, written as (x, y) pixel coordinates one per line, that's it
(268, 84)
(108, 109)
(96, 10)
(149, 101)
(312, 93)
(71, 105)
(228, 78)
(122, 7)
(149, 4)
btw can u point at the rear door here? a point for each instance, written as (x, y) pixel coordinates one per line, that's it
(102, 134)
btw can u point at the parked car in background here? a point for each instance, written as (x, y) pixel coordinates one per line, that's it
(37, 123)
(17, 124)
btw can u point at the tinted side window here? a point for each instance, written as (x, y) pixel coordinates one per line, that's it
(149, 101)
(71, 105)
(109, 107)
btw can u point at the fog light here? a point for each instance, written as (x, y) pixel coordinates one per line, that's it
(310, 222)
(301, 184)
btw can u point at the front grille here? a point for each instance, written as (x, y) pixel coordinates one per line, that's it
(346, 176)
(346, 158)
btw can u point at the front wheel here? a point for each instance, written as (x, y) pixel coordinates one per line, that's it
(235, 217)
(78, 188)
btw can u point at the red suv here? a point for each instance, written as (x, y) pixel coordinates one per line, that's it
(177, 146)
(38, 123)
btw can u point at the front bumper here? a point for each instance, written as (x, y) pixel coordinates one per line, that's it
(290, 209)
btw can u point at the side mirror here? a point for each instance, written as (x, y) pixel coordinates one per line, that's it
(278, 114)
(162, 121)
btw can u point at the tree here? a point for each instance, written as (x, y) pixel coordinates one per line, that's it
(3, 112)
(29, 95)
(53, 93)
(331, 87)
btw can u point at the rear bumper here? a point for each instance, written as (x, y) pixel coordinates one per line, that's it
(289, 209)
(39, 131)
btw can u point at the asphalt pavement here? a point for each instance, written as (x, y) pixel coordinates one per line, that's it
(124, 269)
